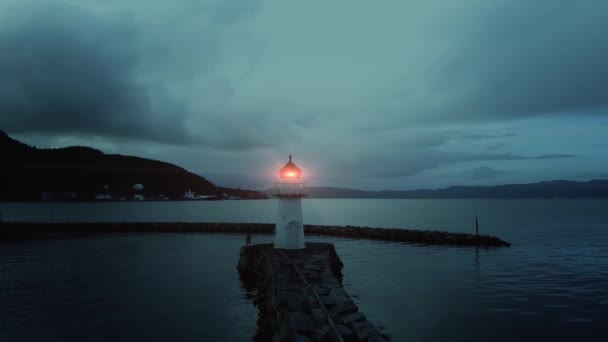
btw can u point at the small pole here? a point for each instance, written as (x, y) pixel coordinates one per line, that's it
(476, 226)
(248, 239)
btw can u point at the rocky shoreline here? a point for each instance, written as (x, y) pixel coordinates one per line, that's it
(300, 296)
(15, 230)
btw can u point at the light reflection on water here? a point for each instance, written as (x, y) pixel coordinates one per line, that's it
(550, 285)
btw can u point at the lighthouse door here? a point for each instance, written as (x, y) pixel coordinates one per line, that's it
(293, 234)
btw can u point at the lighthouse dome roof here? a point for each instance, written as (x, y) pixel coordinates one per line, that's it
(290, 170)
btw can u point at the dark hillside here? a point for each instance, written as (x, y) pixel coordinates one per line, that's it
(79, 173)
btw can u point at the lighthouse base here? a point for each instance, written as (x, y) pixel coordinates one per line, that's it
(289, 229)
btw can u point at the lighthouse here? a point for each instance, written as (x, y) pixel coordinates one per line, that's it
(289, 229)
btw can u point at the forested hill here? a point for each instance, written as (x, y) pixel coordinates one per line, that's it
(81, 173)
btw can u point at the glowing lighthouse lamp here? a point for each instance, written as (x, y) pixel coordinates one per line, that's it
(289, 230)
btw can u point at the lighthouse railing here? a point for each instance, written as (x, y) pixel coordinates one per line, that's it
(289, 189)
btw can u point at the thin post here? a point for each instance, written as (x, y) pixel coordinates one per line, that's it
(476, 226)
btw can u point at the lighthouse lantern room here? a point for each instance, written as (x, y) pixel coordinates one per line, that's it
(289, 229)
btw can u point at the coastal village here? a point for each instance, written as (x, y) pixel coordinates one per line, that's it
(138, 194)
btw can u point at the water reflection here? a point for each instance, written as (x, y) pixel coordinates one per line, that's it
(154, 287)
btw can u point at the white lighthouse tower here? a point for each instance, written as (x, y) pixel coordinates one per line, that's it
(289, 230)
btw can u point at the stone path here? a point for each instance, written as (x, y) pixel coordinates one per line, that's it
(301, 297)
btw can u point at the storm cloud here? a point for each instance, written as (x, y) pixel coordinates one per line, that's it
(392, 95)
(485, 172)
(416, 162)
(66, 70)
(510, 60)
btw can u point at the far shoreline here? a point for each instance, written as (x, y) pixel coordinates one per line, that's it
(318, 198)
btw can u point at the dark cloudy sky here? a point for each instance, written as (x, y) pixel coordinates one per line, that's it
(366, 94)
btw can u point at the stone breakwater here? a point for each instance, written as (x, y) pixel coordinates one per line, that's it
(427, 237)
(300, 295)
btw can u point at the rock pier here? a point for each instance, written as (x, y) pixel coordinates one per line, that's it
(300, 295)
(426, 237)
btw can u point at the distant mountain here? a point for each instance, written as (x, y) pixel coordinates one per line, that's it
(81, 173)
(551, 189)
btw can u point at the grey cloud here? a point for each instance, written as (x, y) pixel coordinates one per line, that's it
(414, 162)
(513, 60)
(464, 135)
(67, 70)
(484, 172)
(401, 139)
(249, 79)
(495, 147)
(246, 131)
(592, 175)
(556, 156)
(70, 70)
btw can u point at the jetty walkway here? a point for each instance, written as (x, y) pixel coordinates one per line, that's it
(426, 237)
(300, 295)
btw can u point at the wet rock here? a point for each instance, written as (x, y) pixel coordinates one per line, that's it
(335, 296)
(293, 300)
(312, 268)
(345, 308)
(318, 315)
(321, 291)
(363, 330)
(302, 338)
(311, 300)
(299, 322)
(329, 283)
(351, 318)
(346, 333)
(322, 333)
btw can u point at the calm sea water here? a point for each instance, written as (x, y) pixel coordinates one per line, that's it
(552, 284)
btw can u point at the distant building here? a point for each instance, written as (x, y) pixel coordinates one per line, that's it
(138, 187)
(189, 194)
(46, 196)
(138, 197)
(103, 197)
(58, 196)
